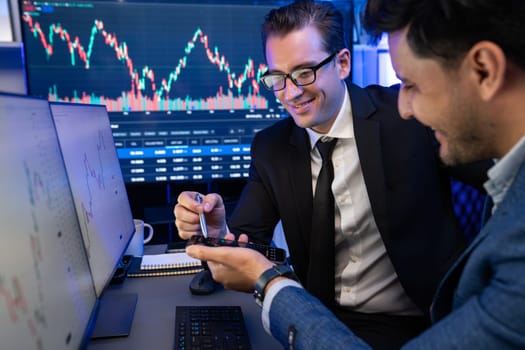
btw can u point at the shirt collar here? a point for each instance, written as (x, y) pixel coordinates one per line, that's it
(343, 127)
(502, 174)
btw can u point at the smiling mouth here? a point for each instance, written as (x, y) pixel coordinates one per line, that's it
(302, 104)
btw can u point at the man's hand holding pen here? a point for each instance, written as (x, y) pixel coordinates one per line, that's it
(194, 210)
(202, 218)
(237, 271)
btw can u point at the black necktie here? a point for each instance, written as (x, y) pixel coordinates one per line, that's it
(321, 269)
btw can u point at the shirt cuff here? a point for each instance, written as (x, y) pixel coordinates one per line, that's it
(268, 298)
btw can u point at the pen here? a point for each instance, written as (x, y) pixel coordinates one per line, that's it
(202, 219)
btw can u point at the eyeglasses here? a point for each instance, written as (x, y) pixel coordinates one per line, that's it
(300, 77)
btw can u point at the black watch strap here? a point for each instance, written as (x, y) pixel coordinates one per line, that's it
(268, 275)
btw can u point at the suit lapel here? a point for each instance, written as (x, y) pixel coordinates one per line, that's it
(368, 139)
(300, 181)
(444, 296)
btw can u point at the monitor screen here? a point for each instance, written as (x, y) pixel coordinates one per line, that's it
(47, 297)
(6, 30)
(97, 185)
(180, 79)
(12, 69)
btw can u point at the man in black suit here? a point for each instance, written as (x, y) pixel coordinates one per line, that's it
(395, 231)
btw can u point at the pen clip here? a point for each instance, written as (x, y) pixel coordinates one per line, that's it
(202, 219)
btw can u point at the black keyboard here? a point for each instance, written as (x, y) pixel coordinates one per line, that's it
(210, 327)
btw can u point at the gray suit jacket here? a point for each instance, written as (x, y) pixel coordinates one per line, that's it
(480, 304)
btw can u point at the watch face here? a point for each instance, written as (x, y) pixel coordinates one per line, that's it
(268, 275)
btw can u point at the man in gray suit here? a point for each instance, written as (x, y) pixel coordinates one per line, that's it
(462, 67)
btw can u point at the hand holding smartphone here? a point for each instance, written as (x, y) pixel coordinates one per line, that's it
(274, 254)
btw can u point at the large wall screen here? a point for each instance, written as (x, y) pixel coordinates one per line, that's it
(180, 80)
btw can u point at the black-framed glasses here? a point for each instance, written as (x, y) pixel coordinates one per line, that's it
(300, 77)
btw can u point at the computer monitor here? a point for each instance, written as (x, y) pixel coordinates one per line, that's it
(99, 193)
(180, 79)
(101, 202)
(12, 68)
(47, 298)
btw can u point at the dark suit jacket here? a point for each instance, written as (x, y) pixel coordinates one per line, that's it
(407, 186)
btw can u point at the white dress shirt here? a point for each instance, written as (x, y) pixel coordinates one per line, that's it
(365, 279)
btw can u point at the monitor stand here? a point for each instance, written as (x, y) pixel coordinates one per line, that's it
(115, 315)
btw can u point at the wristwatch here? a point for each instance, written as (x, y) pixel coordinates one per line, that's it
(268, 275)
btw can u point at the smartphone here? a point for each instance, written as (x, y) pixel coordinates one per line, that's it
(277, 255)
(176, 247)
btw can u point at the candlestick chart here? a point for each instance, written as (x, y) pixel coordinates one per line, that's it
(180, 79)
(146, 58)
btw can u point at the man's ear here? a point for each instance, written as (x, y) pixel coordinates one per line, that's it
(487, 63)
(344, 62)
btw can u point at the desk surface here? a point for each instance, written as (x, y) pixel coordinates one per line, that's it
(154, 321)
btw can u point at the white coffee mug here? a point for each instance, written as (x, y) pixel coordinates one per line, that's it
(136, 246)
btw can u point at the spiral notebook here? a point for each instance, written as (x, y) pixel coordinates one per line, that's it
(166, 261)
(164, 265)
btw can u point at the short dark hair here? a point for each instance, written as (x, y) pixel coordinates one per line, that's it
(447, 29)
(323, 15)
